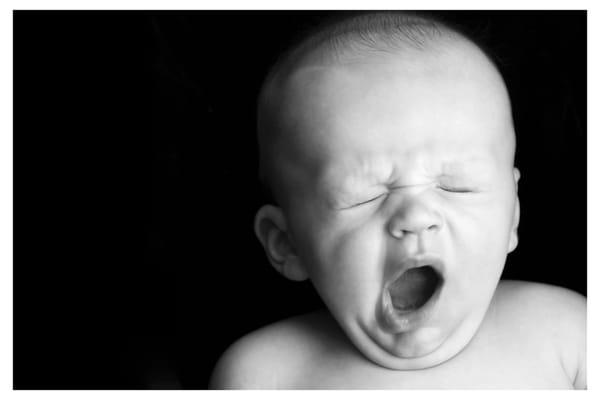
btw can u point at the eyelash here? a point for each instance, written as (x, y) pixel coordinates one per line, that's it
(455, 190)
(369, 201)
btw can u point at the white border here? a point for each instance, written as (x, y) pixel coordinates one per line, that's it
(6, 183)
(6, 198)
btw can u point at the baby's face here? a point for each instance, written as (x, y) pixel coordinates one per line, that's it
(402, 166)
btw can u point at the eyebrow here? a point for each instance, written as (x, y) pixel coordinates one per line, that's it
(341, 185)
(365, 174)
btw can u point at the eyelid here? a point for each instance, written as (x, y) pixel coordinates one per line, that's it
(365, 202)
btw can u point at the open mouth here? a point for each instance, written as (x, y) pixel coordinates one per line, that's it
(410, 298)
(411, 290)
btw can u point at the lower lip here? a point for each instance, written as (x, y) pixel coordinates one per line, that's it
(397, 321)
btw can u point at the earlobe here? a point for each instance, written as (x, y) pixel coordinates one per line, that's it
(270, 227)
(514, 237)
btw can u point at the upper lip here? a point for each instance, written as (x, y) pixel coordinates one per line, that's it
(419, 260)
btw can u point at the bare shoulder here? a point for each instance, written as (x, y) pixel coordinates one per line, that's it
(551, 314)
(272, 356)
(534, 297)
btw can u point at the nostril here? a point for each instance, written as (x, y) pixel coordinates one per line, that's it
(398, 231)
(415, 218)
(433, 227)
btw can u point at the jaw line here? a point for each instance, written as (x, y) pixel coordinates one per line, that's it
(366, 338)
(369, 348)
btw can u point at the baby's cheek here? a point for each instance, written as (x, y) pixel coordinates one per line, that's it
(488, 255)
(354, 264)
(478, 247)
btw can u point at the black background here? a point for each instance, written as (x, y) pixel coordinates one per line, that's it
(135, 263)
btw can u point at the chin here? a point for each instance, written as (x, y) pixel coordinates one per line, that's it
(417, 344)
(415, 356)
(411, 354)
(422, 348)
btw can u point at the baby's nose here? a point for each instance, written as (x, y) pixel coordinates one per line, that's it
(414, 217)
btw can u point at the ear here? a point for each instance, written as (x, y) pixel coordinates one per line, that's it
(271, 229)
(514, 237)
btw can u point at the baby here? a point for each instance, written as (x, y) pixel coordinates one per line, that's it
(388, 143)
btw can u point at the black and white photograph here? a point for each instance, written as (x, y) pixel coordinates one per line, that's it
(300, 199)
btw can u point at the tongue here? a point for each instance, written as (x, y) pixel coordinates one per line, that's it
(413, 288)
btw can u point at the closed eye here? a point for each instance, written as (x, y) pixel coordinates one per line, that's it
(455, 189)
(367, 201)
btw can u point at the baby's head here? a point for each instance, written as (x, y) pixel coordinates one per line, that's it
(388, 144)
